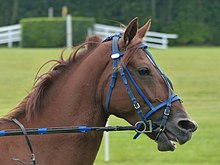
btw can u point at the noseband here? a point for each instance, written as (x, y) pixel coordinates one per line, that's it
(144, 125)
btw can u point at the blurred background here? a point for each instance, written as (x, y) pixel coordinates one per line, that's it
(184, 39)
(195, 21)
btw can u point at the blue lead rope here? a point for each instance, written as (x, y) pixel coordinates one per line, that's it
(58, 130)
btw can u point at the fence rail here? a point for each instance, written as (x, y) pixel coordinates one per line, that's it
(153, 39)
(10, 34)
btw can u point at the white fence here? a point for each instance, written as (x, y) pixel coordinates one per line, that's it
(10, 34)
(153, 39)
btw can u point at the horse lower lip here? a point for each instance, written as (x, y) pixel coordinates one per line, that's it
(165, 144)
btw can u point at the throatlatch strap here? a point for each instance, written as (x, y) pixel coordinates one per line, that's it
(28, 143)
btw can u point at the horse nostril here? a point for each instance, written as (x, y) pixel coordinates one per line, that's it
(188, 125)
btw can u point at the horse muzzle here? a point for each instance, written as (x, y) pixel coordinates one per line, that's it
(181, 133)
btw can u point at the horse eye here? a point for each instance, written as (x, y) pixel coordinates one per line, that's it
(144, 71)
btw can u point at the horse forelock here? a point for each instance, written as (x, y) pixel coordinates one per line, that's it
(130, 50)
(32, 103)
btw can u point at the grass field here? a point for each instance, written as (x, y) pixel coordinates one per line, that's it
(196, 78)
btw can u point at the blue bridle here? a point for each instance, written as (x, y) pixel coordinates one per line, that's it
(144, 122)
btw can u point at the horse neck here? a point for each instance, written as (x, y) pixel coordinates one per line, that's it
(76, 94)
(75, 100)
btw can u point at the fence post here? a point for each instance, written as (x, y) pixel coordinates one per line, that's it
(89, 31)
(9, 38)
(106, 145)
(69, 31)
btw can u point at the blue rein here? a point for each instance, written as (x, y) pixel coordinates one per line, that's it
(116, 58)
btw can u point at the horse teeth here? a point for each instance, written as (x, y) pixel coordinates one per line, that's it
(174, 143)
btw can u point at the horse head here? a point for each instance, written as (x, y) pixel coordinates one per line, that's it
(139, 92)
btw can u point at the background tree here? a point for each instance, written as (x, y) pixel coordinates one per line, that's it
(195, 21)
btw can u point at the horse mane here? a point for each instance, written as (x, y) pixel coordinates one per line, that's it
(32, 103)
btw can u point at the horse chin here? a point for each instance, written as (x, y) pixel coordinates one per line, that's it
(165, 144)
(167, 140)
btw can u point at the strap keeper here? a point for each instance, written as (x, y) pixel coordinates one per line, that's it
(33, 159)
(116, 55)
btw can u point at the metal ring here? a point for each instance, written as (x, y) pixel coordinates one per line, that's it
(137, 126)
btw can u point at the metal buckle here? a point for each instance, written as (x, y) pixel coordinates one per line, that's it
(136, 105)
(150, 128)
(144, 124)
(166, 112)
(162, 128)
(116, 55)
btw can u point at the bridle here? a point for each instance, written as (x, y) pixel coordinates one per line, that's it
(144, 125)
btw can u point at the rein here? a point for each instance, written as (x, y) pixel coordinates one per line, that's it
(60, 130)
(123, 70)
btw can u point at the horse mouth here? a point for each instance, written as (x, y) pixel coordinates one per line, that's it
(167, 141)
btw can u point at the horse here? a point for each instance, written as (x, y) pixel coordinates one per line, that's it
(118, 77)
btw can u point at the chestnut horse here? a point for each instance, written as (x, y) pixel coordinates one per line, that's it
(113, 77)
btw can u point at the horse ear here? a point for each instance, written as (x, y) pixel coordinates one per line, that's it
(130, 31)
(142, 31)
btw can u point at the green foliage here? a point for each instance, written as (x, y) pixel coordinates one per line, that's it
(43, 32)
(80, 26)
(195, 21)
(51, 32)
(189, 23)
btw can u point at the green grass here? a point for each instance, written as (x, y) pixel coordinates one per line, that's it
(196, 78)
